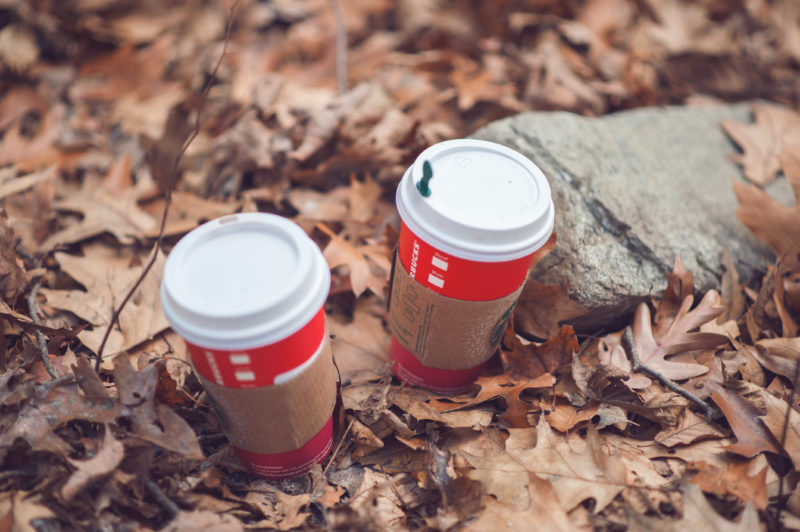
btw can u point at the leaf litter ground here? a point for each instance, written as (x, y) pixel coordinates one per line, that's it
(560, 433)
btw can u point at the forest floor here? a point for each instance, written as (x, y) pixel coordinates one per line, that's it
(313, 110)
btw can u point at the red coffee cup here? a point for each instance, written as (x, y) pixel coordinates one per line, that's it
(246, 292)
(468, 234)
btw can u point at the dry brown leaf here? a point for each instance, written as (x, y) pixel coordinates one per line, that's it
(678, 338)
(689, 429)
(733, 480)
(28, 509)
(39, 151)
(563, 417)
(153, 422)
(544, 511)
(752, 436)
(203, 520)
(369, 265)
(775, 419)
(542, 307)
(114, 211)
(774, 224)
(330, 206)
(361, 347)
(39, 419)
(533, 360)
(104, 462)
(593, 472)
(509, 388)
(698, 515)
(732, 293)
(13, 277)
(761, 142)
(680, 285)
(363, 198)
(107, 275)
(187, 211)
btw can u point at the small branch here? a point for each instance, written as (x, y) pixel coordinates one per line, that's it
(161, 498)
(40, 341)
(168, 200)
(341, 45)
(630, 349)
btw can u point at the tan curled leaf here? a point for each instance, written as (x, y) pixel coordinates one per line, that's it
(678, 338)
(774, 224)
(689, 429)
(108, 457)
(369, 264)
(542, 307)
(775, 419)
(761, 141)
(752, 436)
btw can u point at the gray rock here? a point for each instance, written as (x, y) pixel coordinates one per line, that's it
(632, 190)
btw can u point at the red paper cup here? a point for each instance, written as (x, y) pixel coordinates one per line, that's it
(246, 292)
(472, 239)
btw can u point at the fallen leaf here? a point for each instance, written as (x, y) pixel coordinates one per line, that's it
(28, 509)
(733, 480)
(54, 407)
(576, 475)
(776, 419)
(152, 422)
(544, 510)
(534, 360)
(13, 277)
(203, 520)
(361, 347)
(699, 515)
(678, 338)
(369, 265)
(689, 429)
(509, 388)
(107, 275)
(762, 140)
(104, 462)
(752, 436)
(363, 198)
(116, 212)
(774, 224)
(542, 307)
(563, 417)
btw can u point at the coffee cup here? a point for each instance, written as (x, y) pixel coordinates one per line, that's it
(473, 214)
(246, 293)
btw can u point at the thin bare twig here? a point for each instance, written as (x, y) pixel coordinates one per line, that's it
(172, 179)
(341, 45)
(161, 498)
(40, 341)
(784, 433)
(636, 362)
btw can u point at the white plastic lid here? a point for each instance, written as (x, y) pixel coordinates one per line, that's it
(487, 203)
(243, 281)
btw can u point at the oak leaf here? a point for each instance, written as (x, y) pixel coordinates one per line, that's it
(576, 475)
(544, 510)
(104, 462)
(105, 209)
(775, 419)
(107, 275)
(361, 347)
(689, 429)
(774, 224)
(533, 360)
(677, 338)
(542, 307)
(752, 437)
(761, 141)
(369, 265)
(733, 480)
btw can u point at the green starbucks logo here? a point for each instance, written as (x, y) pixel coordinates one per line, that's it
(500, 326)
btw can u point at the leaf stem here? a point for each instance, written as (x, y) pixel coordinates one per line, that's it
(40, 341)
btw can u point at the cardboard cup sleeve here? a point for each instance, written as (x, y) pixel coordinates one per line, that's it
(443, 332)
(280, 418)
